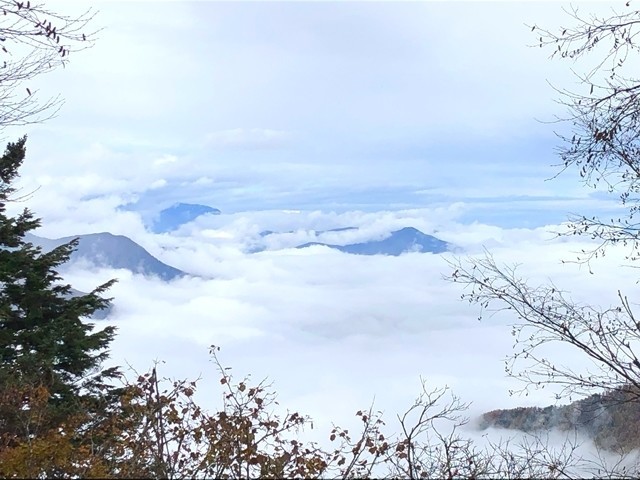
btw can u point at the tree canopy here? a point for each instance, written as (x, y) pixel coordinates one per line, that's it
(46, 343)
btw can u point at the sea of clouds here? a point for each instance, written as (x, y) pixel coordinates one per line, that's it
(335, 332)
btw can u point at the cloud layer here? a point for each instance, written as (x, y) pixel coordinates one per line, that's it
(324, 325)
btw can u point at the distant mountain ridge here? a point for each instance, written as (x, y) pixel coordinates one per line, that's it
(179, 214)
(112, 251)
(401, 241)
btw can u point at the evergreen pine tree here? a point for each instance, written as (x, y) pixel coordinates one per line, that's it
(45, 342)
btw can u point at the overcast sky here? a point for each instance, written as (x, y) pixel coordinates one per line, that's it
(295, 115)
(308, 105)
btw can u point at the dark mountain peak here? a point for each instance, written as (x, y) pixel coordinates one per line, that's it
(408, 231)
(104, 238)
(407, 239)
(178, 214)
(112, 251)
(190, 209)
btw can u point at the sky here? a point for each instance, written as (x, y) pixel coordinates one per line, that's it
(315, 115)
(307, 105)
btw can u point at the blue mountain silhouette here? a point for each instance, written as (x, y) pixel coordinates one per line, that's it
(173, 217)
(407, 239)
(112, 251)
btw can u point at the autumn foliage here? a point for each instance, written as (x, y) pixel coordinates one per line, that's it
(154, 428)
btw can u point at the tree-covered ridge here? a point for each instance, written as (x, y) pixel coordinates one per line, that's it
(611, 420)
